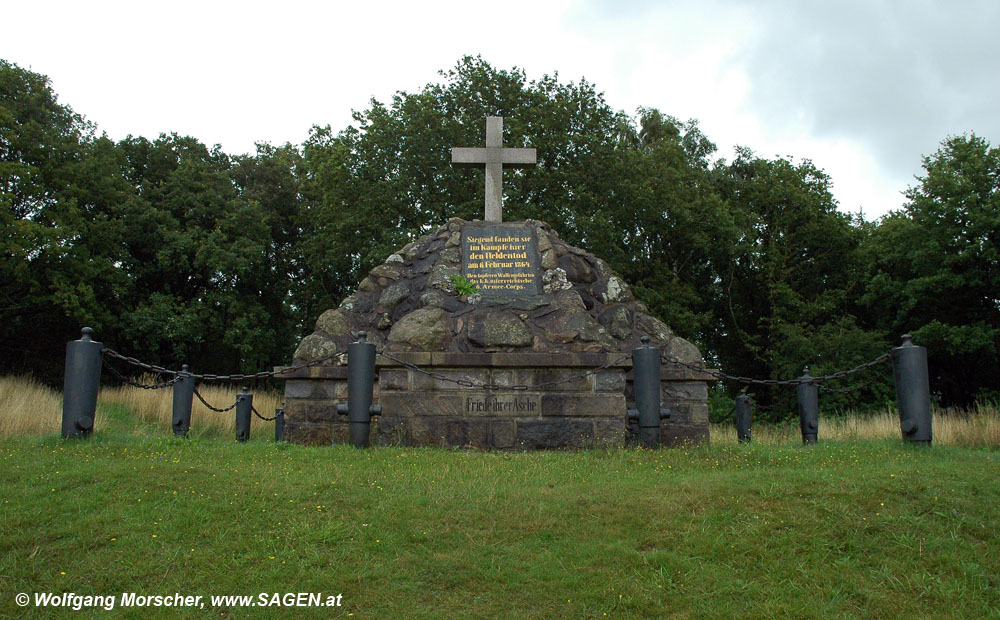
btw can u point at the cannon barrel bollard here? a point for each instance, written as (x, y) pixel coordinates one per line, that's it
(360, 382)
(909, 370)
(646, 382)
(82, 381)
(807, 402)
(183, 400)
(279, 423)
(744, 417)
(244, 409)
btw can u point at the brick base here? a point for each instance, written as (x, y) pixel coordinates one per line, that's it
(570, 412)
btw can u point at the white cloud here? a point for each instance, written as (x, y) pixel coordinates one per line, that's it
(861, 88)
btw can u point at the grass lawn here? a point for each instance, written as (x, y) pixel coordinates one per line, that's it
(865, 529)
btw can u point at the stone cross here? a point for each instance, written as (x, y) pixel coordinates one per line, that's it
(494, 158)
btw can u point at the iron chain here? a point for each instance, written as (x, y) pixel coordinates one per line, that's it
(521, 387)
(151, 386)
(855, 388)
(257, 413)
(215, 409)
(209, 377)
(721, 376)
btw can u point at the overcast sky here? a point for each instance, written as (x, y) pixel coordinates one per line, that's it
(862, 88)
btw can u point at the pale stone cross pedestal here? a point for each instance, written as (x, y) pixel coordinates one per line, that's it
(494, 158)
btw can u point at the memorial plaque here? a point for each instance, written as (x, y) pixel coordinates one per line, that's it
(501, 259)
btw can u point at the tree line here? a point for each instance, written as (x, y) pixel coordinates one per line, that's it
(180, 253)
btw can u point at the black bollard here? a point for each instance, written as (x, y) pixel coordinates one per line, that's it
(807, 397)
(244, 409)
(646, 383)
(279, 423)
(913, 393)
(360, 382)
(183, 399)
(744, 417)
(83, 379)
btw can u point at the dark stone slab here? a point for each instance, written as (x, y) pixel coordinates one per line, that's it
(423, 382)
(610, 433)
(393, 379)
(501, 434)
(459, 404)
(342, 433)
(321, 411)
(447, 432)
(391, 431)
(316, 390)
(308, 433)
(609, 381)
(583, 405)
(672, 436)
(695, 390)
(535, 434)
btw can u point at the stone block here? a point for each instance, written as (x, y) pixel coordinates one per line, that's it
(323, 389)
(567, 433)
(341, 432)
(562, 379)
(689, 412)
(610, 381)
(422, 382)
(698, 413)
(461, 359)
(299, 389)
(674, 390)
(675, 435)
(583, 405)
(308, 433)
(393, 379)
(324, 412)
(680, 413)
(390, 431)
(501, 434)
(609, 433)
(505, 377)
(448, 432)
(420, 358)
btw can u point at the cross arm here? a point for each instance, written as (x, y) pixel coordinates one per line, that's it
(519, 158)
(464, 157)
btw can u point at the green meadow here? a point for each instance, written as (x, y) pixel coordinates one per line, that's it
(843, 529)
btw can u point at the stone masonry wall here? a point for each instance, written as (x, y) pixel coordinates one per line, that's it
(419, 410)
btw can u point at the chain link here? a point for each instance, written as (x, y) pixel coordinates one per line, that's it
(145, 386)
(209, 377)
(257, 413)
(521, 387)
(215, 409)
(721, 376)
(860, 386)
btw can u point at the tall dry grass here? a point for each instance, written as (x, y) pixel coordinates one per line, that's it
(156, 407)
(978, 427)
(30, 409)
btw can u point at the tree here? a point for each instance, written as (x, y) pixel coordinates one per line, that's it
(935, 269)
(787, 298)
(60, 227)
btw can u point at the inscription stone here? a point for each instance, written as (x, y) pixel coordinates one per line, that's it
(501, 259)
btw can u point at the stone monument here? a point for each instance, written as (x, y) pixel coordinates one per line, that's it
(539, 357)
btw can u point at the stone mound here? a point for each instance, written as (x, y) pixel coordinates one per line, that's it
(411, 303)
